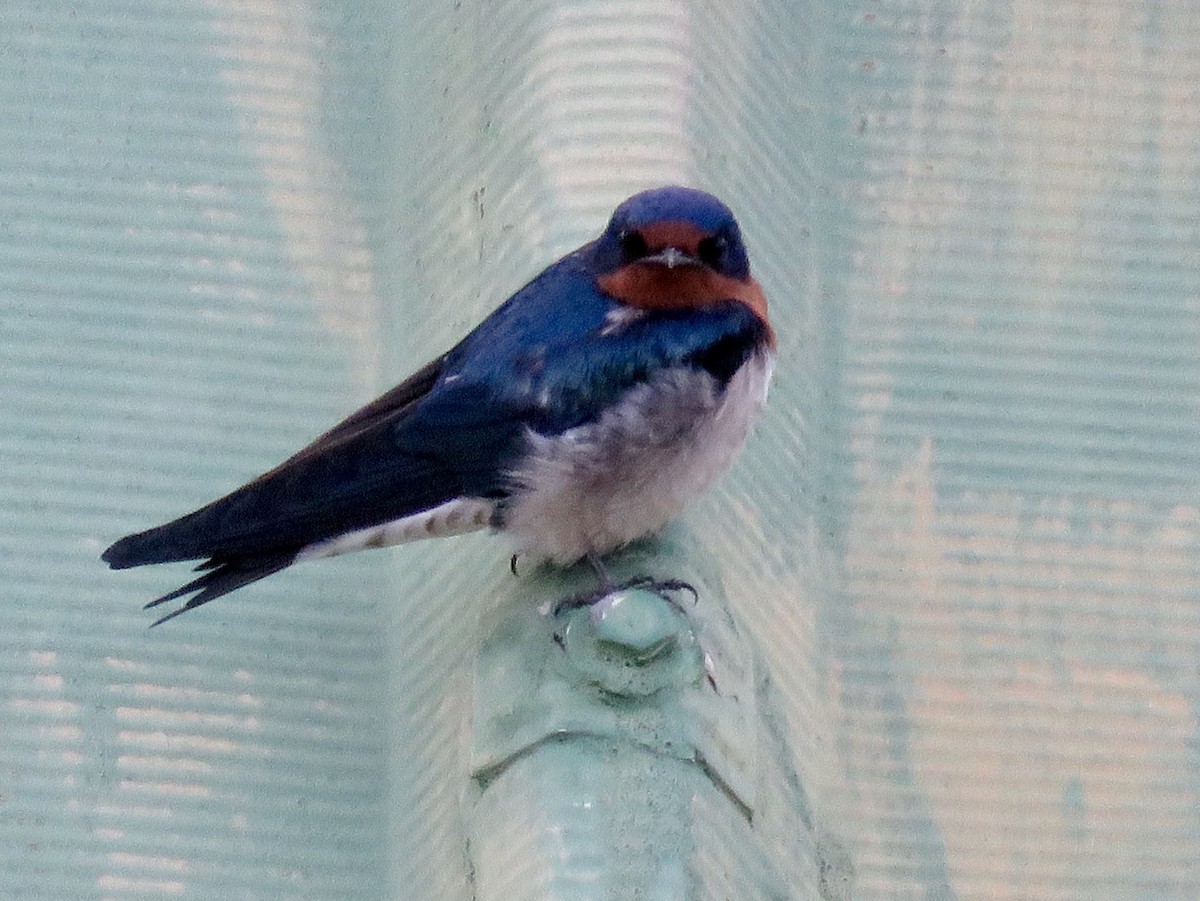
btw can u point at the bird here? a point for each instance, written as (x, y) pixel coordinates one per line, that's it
(582, 414)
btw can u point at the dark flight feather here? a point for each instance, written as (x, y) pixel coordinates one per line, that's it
(223, 576)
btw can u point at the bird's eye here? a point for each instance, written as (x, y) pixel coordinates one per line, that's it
(633, 246)
(712, 251)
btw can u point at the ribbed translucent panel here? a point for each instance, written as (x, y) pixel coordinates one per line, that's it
(1017, 476)
(964, 543)
(185, 297)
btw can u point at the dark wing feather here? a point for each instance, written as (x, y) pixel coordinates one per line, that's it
(412, 449)
(394, 457)
(388, 407)
(223, 577)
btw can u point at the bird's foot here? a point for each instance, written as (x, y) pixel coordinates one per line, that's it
(664, 588)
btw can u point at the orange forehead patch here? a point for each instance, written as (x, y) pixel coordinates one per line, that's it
(673, 233)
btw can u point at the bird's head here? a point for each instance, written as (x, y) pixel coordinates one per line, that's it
(675, 248)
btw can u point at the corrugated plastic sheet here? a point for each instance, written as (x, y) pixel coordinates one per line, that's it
(966, 538)
(1017, 300)
(186, 295)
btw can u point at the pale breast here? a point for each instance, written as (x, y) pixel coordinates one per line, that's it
(601, 485)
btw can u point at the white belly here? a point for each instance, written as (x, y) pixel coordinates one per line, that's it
(601, 485)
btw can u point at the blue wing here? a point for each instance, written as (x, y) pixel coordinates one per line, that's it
(558, 355)
(547, 360)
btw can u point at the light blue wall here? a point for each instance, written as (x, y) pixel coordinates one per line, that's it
(964, 543)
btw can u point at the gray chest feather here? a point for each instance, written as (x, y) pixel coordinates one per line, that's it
(601, 485)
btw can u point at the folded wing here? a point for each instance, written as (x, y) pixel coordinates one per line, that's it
(408, 451)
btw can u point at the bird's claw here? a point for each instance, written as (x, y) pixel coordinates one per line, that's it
(662, 587)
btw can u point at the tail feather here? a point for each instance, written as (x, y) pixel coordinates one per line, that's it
(152, 546)
(222, 577)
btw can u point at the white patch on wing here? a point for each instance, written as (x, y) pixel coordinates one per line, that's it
(620, 316)
(456, 517)
(604, 484)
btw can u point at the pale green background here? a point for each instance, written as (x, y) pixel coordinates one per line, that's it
(966, 539)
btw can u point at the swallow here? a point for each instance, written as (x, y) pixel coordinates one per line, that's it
(582, 414)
